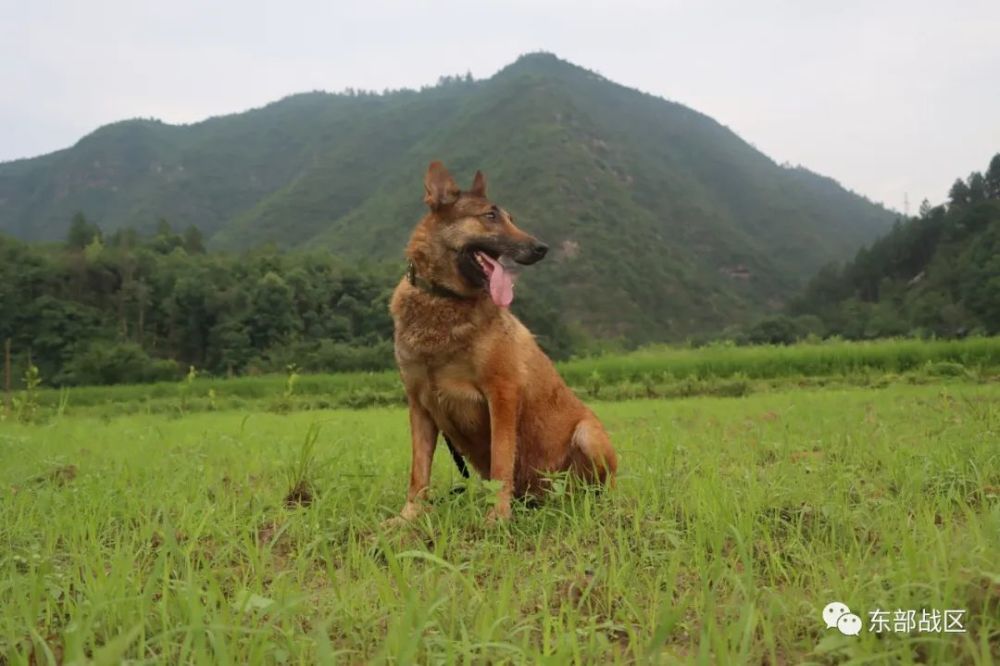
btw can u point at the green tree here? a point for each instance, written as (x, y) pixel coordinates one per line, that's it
(992, 178)
(925, 208)
(230, 347)
(193, 318)
(272, 318)
(977, 187)
(94, 250)
(958, 195)
(193, 240)
(779, 330)
(165, 241)
(81, 232)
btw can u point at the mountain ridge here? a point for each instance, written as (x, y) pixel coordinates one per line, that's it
(664, 220)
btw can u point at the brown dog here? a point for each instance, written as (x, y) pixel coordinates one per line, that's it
(472, 371)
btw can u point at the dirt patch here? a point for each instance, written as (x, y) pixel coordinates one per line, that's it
(266, 533)
(807, 456)
(59, 476)
(300, 495)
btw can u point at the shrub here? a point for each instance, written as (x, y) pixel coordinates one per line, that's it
(945, 369)
(328, 356)
(104, 363)
(780, 330)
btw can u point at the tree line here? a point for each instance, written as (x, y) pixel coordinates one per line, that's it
(122, 308)
(101, 310)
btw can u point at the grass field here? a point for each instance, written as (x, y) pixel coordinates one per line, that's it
(174, 538)
(654, 372)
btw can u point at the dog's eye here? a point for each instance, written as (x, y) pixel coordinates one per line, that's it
(490, 216)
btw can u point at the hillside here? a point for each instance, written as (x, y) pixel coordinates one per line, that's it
(936, 274)
(664, 222)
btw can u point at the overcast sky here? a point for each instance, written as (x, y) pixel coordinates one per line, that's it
(888, 97)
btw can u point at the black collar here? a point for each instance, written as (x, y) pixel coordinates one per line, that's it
(432, 288)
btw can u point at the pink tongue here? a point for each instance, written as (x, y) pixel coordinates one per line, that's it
(501, 283)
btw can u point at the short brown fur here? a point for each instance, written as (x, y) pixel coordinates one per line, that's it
(471, 369)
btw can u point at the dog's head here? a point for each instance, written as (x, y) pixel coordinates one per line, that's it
(468, 243)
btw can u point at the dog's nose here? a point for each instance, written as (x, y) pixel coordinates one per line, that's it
(539, 251)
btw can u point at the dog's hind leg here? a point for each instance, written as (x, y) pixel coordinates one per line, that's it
(592, 458)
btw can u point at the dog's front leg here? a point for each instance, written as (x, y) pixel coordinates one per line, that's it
(503, 402)
(423, 437)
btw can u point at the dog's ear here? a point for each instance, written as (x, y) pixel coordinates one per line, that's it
(479, 185)
(439, 187)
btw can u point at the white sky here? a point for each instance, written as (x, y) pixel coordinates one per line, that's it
(887, 96)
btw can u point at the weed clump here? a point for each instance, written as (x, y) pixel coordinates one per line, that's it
(302, 472)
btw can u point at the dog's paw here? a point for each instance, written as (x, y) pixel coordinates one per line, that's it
(396, 522)
(498, 514)
(410, 512)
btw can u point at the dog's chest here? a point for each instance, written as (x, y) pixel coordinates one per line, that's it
(438, 345)
(436, 382)
(446, 389)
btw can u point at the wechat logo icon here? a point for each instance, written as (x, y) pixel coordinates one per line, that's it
(837, 614)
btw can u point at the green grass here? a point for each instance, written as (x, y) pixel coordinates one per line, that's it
(170, 539)
(666, 372)
(833, 357)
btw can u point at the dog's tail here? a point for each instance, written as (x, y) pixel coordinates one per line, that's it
(463, 469)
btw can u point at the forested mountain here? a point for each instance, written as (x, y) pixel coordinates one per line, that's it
(935, 274)
(663, 222)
